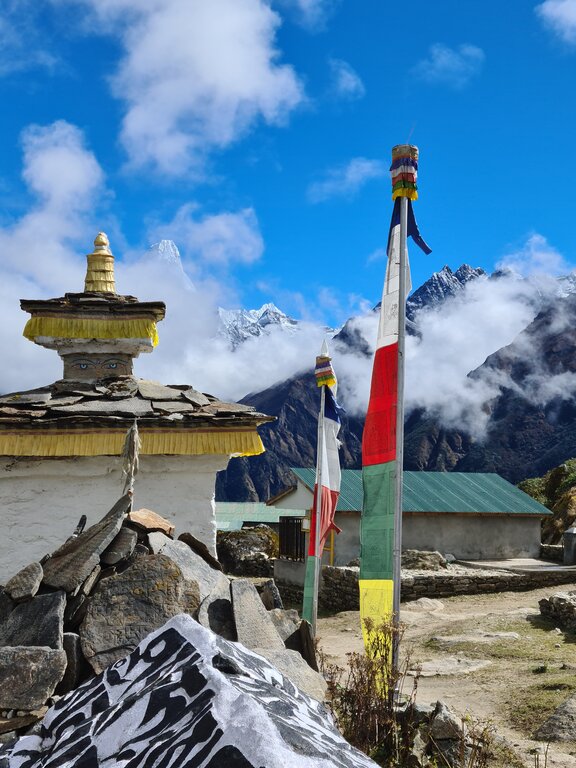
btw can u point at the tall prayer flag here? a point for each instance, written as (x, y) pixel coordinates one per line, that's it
(382, 441)
(327, 485)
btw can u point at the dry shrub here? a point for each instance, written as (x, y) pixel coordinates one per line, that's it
(364, 697)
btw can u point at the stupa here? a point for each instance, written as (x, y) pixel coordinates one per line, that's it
(60, 445)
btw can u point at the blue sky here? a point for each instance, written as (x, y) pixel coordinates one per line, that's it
(257, 135)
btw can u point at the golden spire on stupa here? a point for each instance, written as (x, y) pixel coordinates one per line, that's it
(100, 267)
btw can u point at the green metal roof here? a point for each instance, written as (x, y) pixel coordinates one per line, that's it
(230, 514)
(485, 493)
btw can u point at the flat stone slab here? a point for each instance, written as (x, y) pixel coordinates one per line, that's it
(285, 621)
(70, 565)
(9, 725)
(484, 638)
(28, 676)
(25, 583)
(151, 521)
(38, 622)
(429, 604)
(76, 667)
(451, 665)
(200, 548)
(126, 607)
(120, 548)
(153, 390)
(192, 565)
(254, 626)
(216, 612)
(188, 698)
(560, 725)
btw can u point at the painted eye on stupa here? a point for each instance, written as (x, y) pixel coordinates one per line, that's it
(112, 365)
(83, 365)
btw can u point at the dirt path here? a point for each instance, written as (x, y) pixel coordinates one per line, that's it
(528, 673)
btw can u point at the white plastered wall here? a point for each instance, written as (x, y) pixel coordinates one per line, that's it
(41, 501)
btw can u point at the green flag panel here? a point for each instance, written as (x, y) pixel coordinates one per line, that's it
(377, 523)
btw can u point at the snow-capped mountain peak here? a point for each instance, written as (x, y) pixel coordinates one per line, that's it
(238, 325)
(166, 254)
(440, 286)
(166, 250)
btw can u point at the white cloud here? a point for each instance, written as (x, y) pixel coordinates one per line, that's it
(346, 83)
(378, 254)
(454, 67)
(535, 257)
(486, 316)
(560, 17)
(346, 180)
(22, 47)
(38, 252)
(194, 76)
(311, 14)
(217, 239)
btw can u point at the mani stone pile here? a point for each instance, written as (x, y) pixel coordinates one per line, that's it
(126, 647)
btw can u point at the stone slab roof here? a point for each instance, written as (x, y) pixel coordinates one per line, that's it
(90, 418)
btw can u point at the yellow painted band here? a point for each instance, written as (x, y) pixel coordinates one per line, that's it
(376, 603)
(54, 443)
(91, 328)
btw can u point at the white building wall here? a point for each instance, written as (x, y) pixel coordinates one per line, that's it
(42, 500)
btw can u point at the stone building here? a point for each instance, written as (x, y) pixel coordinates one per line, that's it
(60, 445)
(473, 516)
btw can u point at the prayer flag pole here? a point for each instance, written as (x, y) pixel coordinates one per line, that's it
(383, 438)
(327, 484)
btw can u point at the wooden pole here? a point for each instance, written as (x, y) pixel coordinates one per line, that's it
(397, 550)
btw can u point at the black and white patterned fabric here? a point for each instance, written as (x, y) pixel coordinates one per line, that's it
(186, 698)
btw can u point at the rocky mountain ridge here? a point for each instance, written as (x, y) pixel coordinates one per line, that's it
(531, 417)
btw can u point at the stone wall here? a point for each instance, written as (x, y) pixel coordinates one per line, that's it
(552, 552)
(339, 589)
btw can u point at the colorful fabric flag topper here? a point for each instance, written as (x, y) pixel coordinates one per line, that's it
(404, 171)
(324, 372)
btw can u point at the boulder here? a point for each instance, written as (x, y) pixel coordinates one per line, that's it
(269, 594)
(127, 606)
(216, 612)
(248, 552)
(121, 548)
(561, 609)
(75, 560)
(28, 676)
(6, 607)
(444, 724)
(560, 725)
(415, 560)
(38, 622)
(26, 583)
(254, 626)
(188, 698)
(192, 565)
